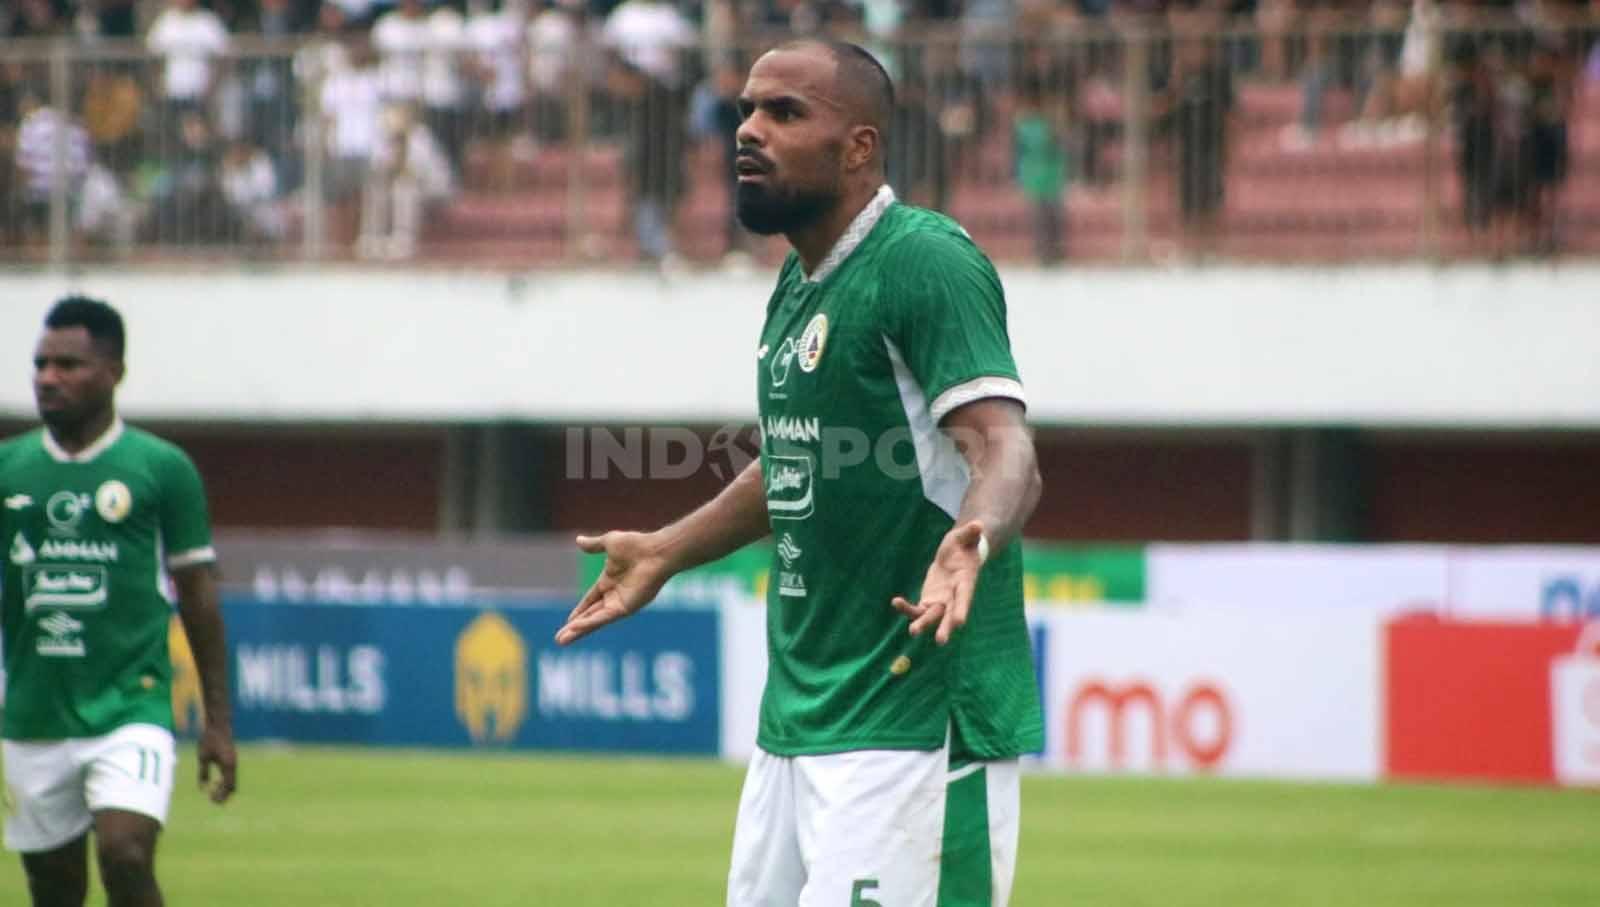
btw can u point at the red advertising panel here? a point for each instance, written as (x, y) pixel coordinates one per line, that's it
(1473, 699)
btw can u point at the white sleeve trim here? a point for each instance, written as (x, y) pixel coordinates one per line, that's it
(191, 558)
(976, 389)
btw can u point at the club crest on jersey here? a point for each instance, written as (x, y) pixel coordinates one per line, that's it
(113, 501)
(812, 342)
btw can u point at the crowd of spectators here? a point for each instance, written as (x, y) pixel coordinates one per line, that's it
(203, 137)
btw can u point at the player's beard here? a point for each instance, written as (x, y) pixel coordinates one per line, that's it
(766, 209)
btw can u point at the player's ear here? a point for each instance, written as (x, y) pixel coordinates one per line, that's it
(862, 147)
(118, 369)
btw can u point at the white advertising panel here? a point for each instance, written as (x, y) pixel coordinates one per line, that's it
(1575, 711)
(744, 674)
(1384, 579)
(1545, 583)
(1219, 691)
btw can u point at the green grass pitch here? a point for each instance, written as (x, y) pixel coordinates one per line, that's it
(396, 828)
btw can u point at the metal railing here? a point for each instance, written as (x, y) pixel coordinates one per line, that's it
(1105, 144)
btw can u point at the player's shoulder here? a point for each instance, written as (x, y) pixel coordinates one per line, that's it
(928, 252)
(927, 237)
(153, 448)
(14, 448)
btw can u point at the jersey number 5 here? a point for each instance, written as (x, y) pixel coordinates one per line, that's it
(858, 893)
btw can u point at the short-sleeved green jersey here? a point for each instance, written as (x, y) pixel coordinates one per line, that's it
(902, 323)
(82, 606)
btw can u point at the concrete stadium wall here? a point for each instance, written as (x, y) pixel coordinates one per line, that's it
(1379, 346)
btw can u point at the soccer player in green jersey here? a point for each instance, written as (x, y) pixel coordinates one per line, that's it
(896, 471)
(93, 515)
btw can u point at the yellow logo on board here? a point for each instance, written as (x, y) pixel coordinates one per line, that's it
(188, 707)
(491, 679)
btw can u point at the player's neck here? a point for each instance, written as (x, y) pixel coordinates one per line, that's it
(74, 439)
(813, 243)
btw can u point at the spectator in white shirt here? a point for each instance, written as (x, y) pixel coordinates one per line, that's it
(189, 38)
(497, 37)
(421, 54)
(50, 147)
(409, 173)
(650, 34)
(561, 43)
(250, 187)
(444, 92)
(400, 38)
(351, 102)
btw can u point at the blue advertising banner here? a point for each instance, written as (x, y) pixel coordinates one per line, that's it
(469, 677)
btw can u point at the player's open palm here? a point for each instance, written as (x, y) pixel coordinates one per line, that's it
(947, 589)
(634, 573)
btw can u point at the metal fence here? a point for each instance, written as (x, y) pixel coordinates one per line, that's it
(1126, 144)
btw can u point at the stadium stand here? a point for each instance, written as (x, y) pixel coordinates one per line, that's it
(1193, 132)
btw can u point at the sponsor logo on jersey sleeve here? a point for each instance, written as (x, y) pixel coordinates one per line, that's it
(113, 501)
(491, 679)
(789, 491)
(61, 637)
(812, 342)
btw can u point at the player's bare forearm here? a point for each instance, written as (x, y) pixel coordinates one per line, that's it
(638, 564)
(733, 519)
(994, 438)
(201, 613)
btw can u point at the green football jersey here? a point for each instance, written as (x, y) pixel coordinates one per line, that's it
(82, 607)
(902, 323)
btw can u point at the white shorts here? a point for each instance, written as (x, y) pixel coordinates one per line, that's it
(54, 788)
(875, 828)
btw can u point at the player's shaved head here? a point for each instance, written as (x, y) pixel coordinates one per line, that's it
(860, 83)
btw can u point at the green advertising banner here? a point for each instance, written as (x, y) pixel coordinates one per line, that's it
(1083, 574)
(1054, 574)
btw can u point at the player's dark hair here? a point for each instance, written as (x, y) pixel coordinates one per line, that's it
(99, 319)
(860, 76)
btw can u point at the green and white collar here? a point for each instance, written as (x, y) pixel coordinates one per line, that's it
(100, 445)
(854, 234)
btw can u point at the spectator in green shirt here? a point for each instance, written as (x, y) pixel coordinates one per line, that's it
(1043, 165)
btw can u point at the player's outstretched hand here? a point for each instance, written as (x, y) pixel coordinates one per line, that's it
(216, 752)
(632, 576)
(947, 589)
